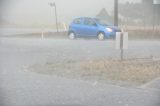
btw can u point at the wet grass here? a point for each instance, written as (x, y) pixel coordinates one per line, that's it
(126, 73)
(144, 34)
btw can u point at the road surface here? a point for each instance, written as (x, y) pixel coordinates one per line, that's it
(19, 87)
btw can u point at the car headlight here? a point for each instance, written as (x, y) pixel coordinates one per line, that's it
(109, 29)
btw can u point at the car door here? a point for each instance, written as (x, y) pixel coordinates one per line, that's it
(90, 27)
(77, 26)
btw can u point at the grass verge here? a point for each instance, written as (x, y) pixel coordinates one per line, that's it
(127, 73)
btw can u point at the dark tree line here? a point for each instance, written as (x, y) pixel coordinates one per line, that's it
(143, 13)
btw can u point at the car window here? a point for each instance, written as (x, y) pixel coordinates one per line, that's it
(77, 21)
(89, 22)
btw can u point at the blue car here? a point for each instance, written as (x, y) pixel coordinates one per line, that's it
(91, 27)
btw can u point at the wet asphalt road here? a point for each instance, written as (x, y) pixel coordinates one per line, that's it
(20, 87)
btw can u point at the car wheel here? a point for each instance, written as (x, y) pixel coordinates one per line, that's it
(72, 36)
(101, 36)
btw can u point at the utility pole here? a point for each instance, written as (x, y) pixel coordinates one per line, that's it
(156, 5)
(154, 17)
(115, 12)
(116, 24)
(54, 5)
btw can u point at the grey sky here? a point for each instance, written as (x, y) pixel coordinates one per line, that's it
(39, 11)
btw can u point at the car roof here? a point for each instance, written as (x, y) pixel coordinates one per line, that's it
(85, 18)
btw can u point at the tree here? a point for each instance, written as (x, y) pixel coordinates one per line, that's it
(147, 1)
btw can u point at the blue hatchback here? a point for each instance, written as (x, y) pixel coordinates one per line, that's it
(91, 27)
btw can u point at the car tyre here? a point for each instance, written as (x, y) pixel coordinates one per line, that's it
(101, 36)
(72, 36)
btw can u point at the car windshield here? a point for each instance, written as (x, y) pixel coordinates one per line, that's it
(102, 22)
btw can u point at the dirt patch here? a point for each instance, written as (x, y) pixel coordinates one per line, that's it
(128, 72)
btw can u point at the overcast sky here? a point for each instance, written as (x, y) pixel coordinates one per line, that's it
(39, 11)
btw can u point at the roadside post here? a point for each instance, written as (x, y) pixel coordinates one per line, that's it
(42, 32)
(156, 4)
(42, 35)
(122, 42)
(65, 27)
(121, 45)
(53, 4)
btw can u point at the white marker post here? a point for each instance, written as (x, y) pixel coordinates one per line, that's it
(118, 34)
(42, 31)
(65, 27)
(122, 42)
(42, 35)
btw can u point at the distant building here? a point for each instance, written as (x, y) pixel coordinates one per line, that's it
(103, 15)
